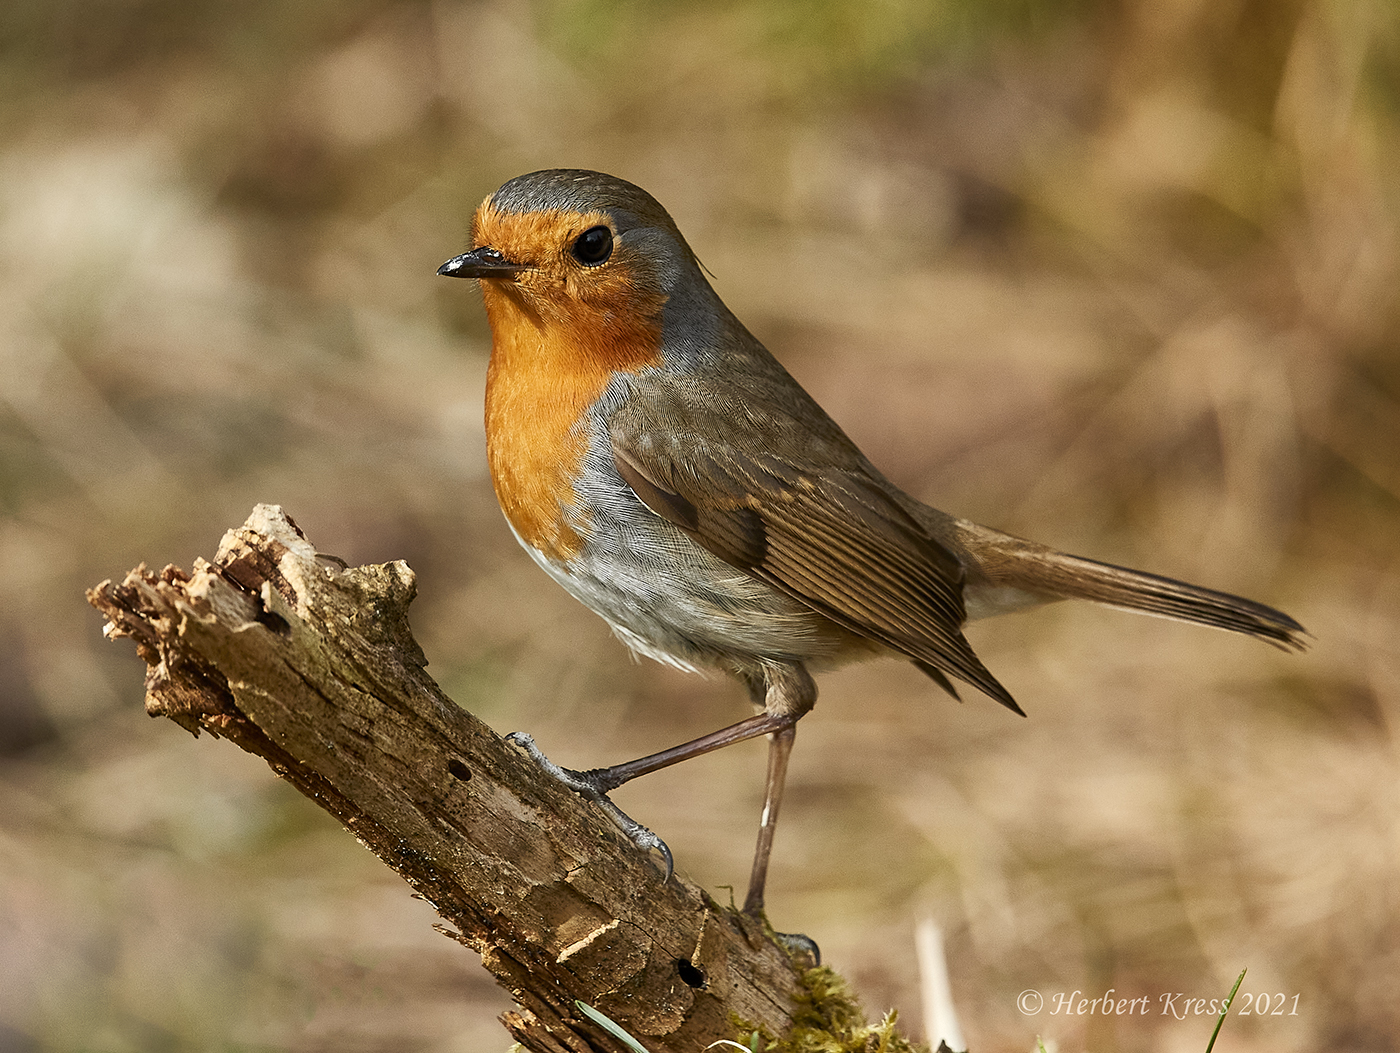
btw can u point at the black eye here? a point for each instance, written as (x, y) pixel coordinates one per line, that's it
(593, 246)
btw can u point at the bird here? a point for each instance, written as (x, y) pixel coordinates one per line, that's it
(657, 461)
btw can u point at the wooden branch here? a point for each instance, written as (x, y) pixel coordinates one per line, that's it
(312, 666)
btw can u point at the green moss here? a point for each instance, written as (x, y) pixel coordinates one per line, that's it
(829, 1019)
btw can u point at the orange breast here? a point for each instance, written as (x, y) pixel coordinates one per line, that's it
(545, 373)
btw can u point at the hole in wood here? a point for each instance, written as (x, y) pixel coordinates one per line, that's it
(692, 974)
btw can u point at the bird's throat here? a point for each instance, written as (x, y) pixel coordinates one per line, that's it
(541, 383)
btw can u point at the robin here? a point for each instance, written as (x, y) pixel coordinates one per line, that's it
(660, 464)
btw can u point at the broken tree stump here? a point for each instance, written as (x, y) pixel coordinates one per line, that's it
(311, 665)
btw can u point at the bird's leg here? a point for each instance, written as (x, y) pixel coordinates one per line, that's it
(595, 784)
(779, 749)
(786, 692)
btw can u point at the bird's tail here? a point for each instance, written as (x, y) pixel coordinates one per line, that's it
(1008, 572)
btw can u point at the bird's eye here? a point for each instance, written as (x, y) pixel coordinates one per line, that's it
(593, 246)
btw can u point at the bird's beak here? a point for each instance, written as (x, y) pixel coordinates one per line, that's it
(484, 262)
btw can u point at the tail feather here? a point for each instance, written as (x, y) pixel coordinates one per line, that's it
(1009, 572)
(1136, 590)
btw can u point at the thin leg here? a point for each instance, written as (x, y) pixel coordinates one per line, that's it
(785, 691)
(602, 780)
(594, 784)
(779, 749)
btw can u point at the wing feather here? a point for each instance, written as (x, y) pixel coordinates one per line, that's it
(829, 535)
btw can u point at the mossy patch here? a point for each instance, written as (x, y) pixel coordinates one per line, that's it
(829, 1019)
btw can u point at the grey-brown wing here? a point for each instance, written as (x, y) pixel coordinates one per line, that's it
(828, 535)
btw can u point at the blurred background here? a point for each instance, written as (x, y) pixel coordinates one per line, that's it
(1120, 275)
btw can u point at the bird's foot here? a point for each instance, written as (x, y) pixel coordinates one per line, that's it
(800, 947)
(593, 785)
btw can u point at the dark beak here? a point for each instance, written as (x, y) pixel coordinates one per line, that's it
(484, 262)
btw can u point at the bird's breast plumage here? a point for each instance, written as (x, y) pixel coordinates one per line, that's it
(664, 595)
(542, 381)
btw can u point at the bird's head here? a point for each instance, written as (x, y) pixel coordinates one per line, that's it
(573, 247)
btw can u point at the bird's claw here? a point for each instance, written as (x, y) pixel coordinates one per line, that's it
(591, 788)
(577, 781)
(800, 946)
(638, 834)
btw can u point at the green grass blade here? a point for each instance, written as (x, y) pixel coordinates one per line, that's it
(1225, 1011)
(616, 1030)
